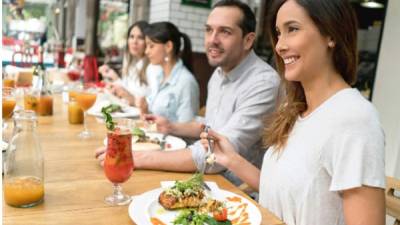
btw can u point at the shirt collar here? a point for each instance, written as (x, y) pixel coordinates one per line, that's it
(236, 72)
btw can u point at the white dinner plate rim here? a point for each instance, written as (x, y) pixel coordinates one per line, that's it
(147, 198)
(181, 144)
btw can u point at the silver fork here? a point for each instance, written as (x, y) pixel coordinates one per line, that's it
(163, 141)
(209, 152)
(209, 149)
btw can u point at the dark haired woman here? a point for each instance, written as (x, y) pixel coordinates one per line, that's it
(175, 94)
(325, 164)
(135, 67)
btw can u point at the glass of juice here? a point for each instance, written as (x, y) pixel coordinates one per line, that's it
(118, 163)
(86, 99)
(9, 102)
(8, 80)
(8, 105)
(75, 113)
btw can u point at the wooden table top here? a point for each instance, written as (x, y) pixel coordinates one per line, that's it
(75, 184)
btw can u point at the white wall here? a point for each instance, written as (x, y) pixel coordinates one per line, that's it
(80, 19)
(386, 96)
(188, 19)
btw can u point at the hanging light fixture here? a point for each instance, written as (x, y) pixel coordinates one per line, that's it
(372, 4)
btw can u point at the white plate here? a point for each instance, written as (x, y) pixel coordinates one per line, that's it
(105, 99)
(172, 143)
(146, 206)
(128, 112)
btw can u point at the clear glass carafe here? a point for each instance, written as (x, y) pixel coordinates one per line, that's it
(23, 175)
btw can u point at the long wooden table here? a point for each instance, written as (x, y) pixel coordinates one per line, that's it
(75, 184)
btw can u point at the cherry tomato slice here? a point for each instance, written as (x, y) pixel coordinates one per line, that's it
(221, 215)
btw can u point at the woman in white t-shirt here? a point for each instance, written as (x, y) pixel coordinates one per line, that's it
(136, 70)
(325, 164)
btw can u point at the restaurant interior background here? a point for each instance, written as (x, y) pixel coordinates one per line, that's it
(65, 26)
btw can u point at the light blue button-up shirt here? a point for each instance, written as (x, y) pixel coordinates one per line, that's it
(177, 98)
(237, 102)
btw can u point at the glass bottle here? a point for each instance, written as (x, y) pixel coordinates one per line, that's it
(45, 99)
(23, 175)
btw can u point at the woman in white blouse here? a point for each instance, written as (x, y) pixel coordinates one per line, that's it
(134, 80)
(325, 163)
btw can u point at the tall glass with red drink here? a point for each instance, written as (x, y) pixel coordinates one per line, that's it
(118, 163)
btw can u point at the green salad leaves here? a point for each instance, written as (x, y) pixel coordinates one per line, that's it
(191, 217)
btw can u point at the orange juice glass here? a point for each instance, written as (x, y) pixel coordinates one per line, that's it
(9, 102)
(72, 95)
(85, 100)
(25, 191)
(7, 82)
(8, 107)
(75, 113)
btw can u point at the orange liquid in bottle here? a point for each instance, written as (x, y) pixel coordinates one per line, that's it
(23, 191)
(7, 107)
(45, 106)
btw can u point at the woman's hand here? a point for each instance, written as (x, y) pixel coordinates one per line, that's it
(163, 124)
(141, 104)
(118, 91)
(100, 155)
(108, 73)
(223, 149)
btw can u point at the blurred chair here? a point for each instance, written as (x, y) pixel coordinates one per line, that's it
(22, 56)
(202, 111)
(393, 201)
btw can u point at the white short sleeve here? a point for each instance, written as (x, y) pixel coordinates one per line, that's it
(354, 158)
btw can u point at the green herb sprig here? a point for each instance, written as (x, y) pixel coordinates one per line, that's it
(110, 124)
(191, 217)
(195, 182)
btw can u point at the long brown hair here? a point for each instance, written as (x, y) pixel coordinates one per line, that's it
(129, 60)
(333, 18)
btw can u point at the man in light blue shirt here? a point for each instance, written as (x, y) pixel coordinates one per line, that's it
(241, 92)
